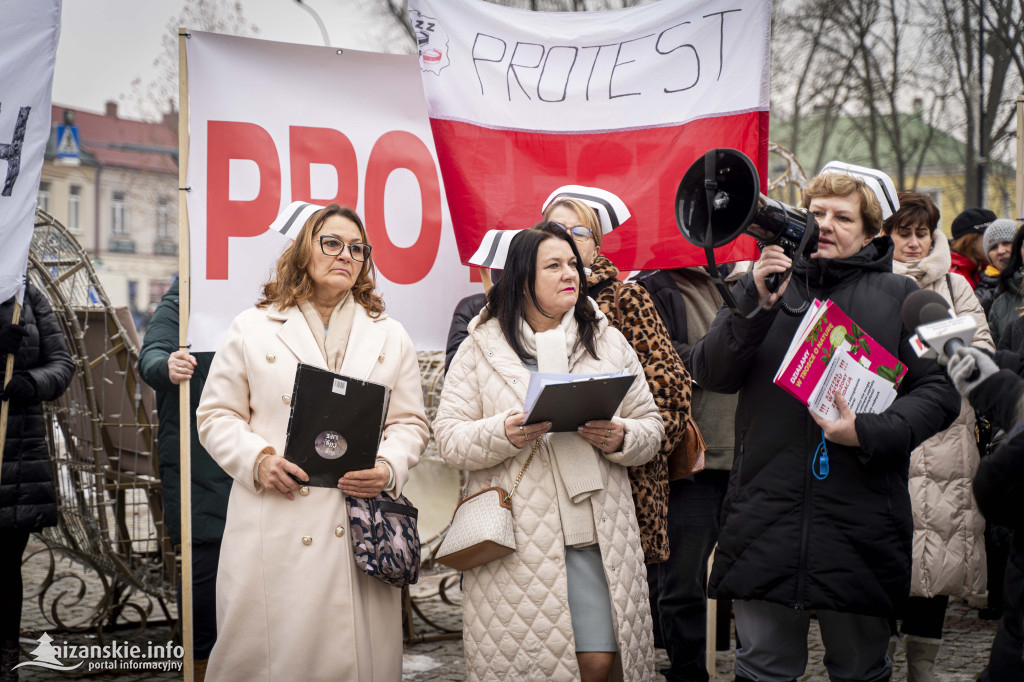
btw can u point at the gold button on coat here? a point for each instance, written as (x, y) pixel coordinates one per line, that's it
(339, 531)
(271, 357)
(286, 399)
(304, 490)
(307, 540)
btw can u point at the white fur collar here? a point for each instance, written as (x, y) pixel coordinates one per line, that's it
(930, 268)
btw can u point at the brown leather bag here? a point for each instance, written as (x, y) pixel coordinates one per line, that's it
(688, 456)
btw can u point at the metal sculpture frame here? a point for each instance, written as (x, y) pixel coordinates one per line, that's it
(102, 442)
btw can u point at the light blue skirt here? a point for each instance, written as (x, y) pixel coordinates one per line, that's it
(589, 603)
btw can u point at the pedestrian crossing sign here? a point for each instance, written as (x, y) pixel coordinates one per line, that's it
(67, 142)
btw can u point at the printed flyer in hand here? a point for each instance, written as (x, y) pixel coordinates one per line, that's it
(830, 353)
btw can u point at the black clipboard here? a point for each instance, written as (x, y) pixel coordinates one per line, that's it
(335, 425)
(569, 405)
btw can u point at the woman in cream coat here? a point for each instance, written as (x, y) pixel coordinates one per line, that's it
(949, 543)
(291, 603)
(517, 622)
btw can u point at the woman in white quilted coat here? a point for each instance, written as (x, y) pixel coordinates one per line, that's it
(949, 545)
(571, 602)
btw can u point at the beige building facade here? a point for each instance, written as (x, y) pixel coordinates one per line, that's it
(119, 198)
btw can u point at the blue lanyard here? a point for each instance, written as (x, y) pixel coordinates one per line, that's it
(819, 465)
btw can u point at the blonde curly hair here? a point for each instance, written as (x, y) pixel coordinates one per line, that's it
(291, 282)
(842, 185)
(587, 215)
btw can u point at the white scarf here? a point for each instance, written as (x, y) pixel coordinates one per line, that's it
(575, 463)
(332, 341)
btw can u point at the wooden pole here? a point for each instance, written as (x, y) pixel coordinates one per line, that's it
(1020, 156)
(9, 369)
(184, 400)
(485, 277)
(711, 627)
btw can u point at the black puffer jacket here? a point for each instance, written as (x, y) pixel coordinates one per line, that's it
(27, 499)
(842, 543)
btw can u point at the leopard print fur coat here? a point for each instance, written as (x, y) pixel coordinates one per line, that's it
(638, 320)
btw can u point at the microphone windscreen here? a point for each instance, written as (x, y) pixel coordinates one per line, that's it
(914, 305)
(933, 312)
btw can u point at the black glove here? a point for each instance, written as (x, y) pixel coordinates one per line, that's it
(11, 336)
(22, 387)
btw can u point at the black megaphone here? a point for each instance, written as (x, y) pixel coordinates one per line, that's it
(719, 199)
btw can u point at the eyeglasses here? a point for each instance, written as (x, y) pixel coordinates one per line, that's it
(579, 233)
(332, 246)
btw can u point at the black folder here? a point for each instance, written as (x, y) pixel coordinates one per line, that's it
(569, 405)
(335, 424)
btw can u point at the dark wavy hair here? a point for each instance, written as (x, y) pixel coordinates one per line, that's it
(506, 301)
(291, 282)
(1014, 266)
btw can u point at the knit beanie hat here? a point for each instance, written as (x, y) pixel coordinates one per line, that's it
(1002, 230)
(972, 220)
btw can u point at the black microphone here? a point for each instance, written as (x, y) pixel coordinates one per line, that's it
(923, 306)
(928, 314)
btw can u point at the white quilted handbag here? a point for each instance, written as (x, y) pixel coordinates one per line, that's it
(481, 529)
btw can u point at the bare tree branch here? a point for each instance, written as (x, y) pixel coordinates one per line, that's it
(149, 99)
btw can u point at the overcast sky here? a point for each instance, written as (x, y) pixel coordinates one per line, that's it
(105, 44)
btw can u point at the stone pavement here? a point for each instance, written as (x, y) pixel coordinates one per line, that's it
(74, 595)
(962, 658)
(429, 659)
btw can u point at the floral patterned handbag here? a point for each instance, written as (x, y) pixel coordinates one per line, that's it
(385, 541)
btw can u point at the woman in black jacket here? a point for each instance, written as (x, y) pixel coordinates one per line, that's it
(996, 390)
(798, 536)
(28, 503)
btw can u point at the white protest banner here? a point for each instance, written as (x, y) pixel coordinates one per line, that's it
(523, 102)
(29, 30)
(272, 123)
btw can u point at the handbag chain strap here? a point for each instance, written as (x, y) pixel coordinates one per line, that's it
(536, 446)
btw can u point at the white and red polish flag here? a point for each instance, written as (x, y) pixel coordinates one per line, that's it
(522, 102)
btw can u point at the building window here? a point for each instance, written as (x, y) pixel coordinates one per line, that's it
(43, 201)
(118, 221)
(157, 289)
(163, 220)
(74, 201)
(133, 292)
